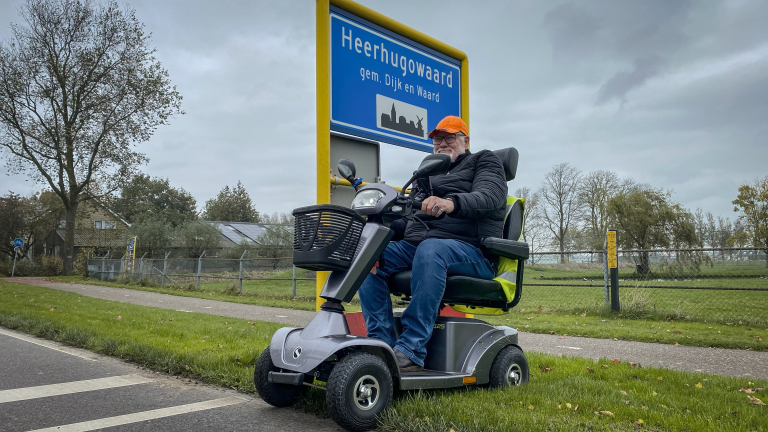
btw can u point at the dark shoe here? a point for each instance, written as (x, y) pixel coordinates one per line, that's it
(405, 364)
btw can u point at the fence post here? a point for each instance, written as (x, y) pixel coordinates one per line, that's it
(240, 278)
(199, 268)
(103, 265)
(141, 265)
(165, 267)
(294, 281)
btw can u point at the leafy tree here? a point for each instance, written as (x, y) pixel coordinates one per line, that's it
(561, 207)
(277, 219)
(78, 86)
(27, 218)
(153, 236)
(15, 218)
(145, 198)
(197, 236)
(752, 202)
(648, 219)
(231, 205)
(276, 242)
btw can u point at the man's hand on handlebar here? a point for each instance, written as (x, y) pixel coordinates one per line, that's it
(434, 206)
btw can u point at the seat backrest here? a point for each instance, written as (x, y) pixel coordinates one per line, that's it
(513, 224)
(509, 157)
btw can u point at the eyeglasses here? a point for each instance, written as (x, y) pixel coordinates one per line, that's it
(449, 139)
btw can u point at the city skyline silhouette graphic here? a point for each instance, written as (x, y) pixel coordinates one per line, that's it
(401, 124)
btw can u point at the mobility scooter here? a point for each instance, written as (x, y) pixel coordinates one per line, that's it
(360, 372)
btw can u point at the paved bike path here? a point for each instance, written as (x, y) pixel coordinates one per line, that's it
(730, 362)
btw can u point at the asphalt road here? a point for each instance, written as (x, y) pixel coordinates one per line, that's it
(729, 362)
(46, 386)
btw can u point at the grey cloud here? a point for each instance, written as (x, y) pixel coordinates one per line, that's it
(621, 83)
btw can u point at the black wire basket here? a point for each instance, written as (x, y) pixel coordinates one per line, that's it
(325, 237)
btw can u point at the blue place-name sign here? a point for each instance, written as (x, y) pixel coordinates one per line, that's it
(387, 88)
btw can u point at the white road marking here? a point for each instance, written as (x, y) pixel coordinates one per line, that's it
(561, 346)
(282, 316)
(144, 416)
(27, 393)
(48, 344)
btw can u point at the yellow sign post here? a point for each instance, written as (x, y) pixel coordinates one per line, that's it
(613, 266)
(354, 13)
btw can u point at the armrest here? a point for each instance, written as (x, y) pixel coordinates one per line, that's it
(507, 248)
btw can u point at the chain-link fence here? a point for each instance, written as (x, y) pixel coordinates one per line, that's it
(725, 285)
(273, 275)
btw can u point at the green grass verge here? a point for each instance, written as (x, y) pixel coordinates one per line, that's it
(634, 325)
(603, 324)
(222, 351)
(218, 350)
(266, 292)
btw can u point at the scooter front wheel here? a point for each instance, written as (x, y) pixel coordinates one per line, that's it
(279, 395)
(359, 389)
(509, 368)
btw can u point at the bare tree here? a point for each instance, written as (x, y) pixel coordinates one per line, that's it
(534, 232)
(596, 189)
(560, 205)
(78, 87)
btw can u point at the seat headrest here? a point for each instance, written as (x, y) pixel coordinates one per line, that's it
(508, 158)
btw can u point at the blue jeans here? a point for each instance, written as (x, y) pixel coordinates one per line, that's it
(430, 262)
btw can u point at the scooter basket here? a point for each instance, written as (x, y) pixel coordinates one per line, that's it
(325, 237)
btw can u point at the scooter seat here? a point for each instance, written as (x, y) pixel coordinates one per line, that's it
(460, 290)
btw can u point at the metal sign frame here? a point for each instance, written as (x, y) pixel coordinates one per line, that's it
(323, 84)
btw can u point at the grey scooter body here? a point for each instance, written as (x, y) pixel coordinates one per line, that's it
(459, 347)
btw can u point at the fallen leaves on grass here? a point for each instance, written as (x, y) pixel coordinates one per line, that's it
(616, 361)
(623, 392)
(119, 318)
(604, 366)
(639, 422)
(606, 413)
(750, 390)
(755, 400)
(659, 378)
(545, 368)
(590, 370)
(699, 385)
(637, 365)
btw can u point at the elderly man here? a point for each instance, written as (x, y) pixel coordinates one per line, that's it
(472, 194)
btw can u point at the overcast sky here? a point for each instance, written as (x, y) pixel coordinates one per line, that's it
(670, 93)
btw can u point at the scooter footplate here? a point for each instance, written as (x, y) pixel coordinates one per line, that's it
(429, 379)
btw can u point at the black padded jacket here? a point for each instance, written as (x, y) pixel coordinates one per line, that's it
(478, 187)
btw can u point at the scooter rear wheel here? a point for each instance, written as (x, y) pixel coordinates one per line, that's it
(279, 395)
(509, 368)
(359, 389)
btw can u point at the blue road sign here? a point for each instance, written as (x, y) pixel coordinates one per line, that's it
(386, 87)
(17, 242)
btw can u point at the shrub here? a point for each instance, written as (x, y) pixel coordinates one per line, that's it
(51, 265)
(80, 266)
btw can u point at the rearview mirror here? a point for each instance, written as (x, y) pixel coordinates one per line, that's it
(347, 170)
(433, 164)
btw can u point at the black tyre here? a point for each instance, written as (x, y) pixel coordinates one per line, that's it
(359, 389)
(509, 368)
(279, 395)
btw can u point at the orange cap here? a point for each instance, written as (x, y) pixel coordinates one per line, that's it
(451, 124)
